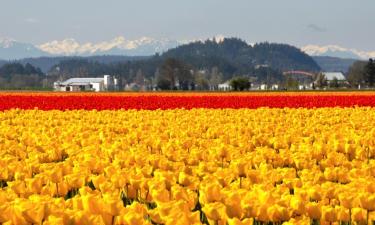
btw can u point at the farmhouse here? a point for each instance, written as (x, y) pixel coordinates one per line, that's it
(330, 76)
(106, 83)
(225, 86)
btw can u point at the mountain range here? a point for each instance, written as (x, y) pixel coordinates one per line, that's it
(337, 51)
(11, 49)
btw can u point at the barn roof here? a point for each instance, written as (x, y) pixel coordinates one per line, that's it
(332, 75)
(82, 81)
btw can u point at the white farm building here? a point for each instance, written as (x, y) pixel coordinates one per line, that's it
(225, 86)
(105, 83)
(330, 76)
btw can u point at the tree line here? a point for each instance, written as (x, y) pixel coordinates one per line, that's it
(201, 65)
(362, 73)
(18, 76)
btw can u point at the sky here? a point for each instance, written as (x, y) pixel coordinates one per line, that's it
(347, 23)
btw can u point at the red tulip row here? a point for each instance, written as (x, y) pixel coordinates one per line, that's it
(152, 102)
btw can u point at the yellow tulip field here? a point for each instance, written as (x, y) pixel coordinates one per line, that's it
(198, 166)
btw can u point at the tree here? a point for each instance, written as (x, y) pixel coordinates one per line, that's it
(201, 81)
(163, 84)
(175, 72)
(321, 81)
(140, 79)
(334, 83)
(17, 76)
(291, 83)
(356, 74)
(216, 78)
(370, 73)
(240, 83)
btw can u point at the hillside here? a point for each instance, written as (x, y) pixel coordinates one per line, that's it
(236, 56)
(46, 63)
(2, 62)
(231, 57)
(228, 58)
(334, 64)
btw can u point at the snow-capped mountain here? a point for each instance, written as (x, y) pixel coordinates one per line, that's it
(337, 51)
(11, 49)
(119, 45)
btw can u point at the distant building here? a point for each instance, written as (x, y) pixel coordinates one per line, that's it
(258, 66)
(330, 76)
(275, 87)
(107, 83)
(225, 86)
(132, 87)
(263, 87)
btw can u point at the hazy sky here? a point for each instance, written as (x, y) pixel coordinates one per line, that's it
(348, 23)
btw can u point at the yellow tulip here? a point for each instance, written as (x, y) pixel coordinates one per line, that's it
(184, 179)
(112, 204)
(359, 214)
(92, 204)
(81, 218)
(160, 195)
(210, 193)
(342, 213)
(5, 212)
(315, 194)
(236, 221)
(53, 220)
(328, 214)
(313, 210)
(34, 214)
(98, 180)
(277, 213)
(19, 187)
(297, 205)
(133, 218)
(346, 200)
(367, 201)
(34, 184)
(215, 211)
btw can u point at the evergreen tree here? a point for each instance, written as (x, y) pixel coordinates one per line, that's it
(356, 74)
(175, 72)
(370, 73)
(334, 83)
(240, 83)
(321, 81)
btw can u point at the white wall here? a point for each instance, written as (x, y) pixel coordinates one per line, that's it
(97, 86)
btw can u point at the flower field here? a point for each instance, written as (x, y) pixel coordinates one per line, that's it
(277, 158)
(88, 101)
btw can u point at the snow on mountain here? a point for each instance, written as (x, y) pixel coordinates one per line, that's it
(6, 42)
(118, 45)
(337, 51)
(11, 49)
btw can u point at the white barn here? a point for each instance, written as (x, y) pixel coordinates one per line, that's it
(330, 76)
(225, 86)
(87, 84)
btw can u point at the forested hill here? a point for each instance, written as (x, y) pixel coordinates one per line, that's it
(230, 57)
(226, 59)
(46, 63)
(236, 56)
(334, 64)
(2, 62)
